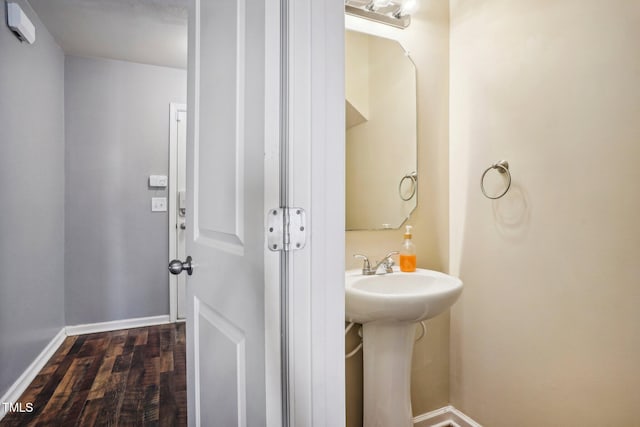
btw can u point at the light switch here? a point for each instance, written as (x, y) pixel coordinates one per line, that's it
(158, 181)
(158, 204)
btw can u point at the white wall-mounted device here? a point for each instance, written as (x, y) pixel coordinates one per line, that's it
(20, 23)
(158, 181)
(158, 204)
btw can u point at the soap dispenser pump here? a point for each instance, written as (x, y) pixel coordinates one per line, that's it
(408, 252)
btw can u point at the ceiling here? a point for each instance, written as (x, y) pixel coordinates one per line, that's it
(145, 31)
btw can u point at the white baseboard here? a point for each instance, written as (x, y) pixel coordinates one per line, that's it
(114, 325)
(447, 416)
(20, 385)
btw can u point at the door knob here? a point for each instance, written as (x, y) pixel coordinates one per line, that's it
(176, 266)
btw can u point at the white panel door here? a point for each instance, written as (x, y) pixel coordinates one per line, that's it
(225, 214)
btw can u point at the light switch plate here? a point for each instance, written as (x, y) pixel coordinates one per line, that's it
(158, 181)
(158, 204)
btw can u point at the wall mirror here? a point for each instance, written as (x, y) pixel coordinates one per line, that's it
(381, 140)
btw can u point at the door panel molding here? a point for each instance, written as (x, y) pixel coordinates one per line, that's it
(207, 321)
(230, 243)
(221, 225)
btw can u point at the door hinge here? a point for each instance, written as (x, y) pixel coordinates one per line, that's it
(286, 229)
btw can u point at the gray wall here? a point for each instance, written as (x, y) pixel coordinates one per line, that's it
(117, 133)
(32, 195)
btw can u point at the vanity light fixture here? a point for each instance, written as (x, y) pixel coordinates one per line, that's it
(396, 13)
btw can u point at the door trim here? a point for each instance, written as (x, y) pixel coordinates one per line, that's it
(272, 273)
(174, 108)
(316, 181)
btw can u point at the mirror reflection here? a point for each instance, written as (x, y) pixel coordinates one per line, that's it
(381, 140)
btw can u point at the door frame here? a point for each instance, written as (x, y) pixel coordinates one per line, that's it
(272, 273)
(316, 182)
(174, 108)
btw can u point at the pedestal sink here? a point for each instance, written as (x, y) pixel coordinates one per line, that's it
(389, 307)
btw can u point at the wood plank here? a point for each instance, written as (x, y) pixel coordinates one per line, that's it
(102, 377)
(90, 412)
(116, 345)
(131, 412)
(180, 373)
(112, 400)
(141, 336)
(180, 358)
(169, 407)
(122, 362)
(151, 382)
(152, 349)
(130, 342)
(166, 361)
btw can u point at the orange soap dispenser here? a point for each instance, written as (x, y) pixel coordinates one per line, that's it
(408, 253)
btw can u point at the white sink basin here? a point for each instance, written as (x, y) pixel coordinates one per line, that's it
(399, 297)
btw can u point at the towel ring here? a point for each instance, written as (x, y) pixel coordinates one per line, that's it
(503, 167)
(413, 176)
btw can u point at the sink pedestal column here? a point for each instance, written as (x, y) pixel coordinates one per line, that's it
(387, 353)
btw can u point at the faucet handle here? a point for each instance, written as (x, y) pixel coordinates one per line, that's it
(390, 254)
(366, 267)
(388, 262)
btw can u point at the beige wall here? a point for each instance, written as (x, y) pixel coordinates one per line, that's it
(547, 329)
(356, 76)
(427, 40)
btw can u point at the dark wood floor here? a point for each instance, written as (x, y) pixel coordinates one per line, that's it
(132, 377)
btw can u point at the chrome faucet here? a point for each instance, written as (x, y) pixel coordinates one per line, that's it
(386, 262)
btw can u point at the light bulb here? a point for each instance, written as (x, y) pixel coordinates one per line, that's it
(381, 3)
(377, 4)
(407, 8)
